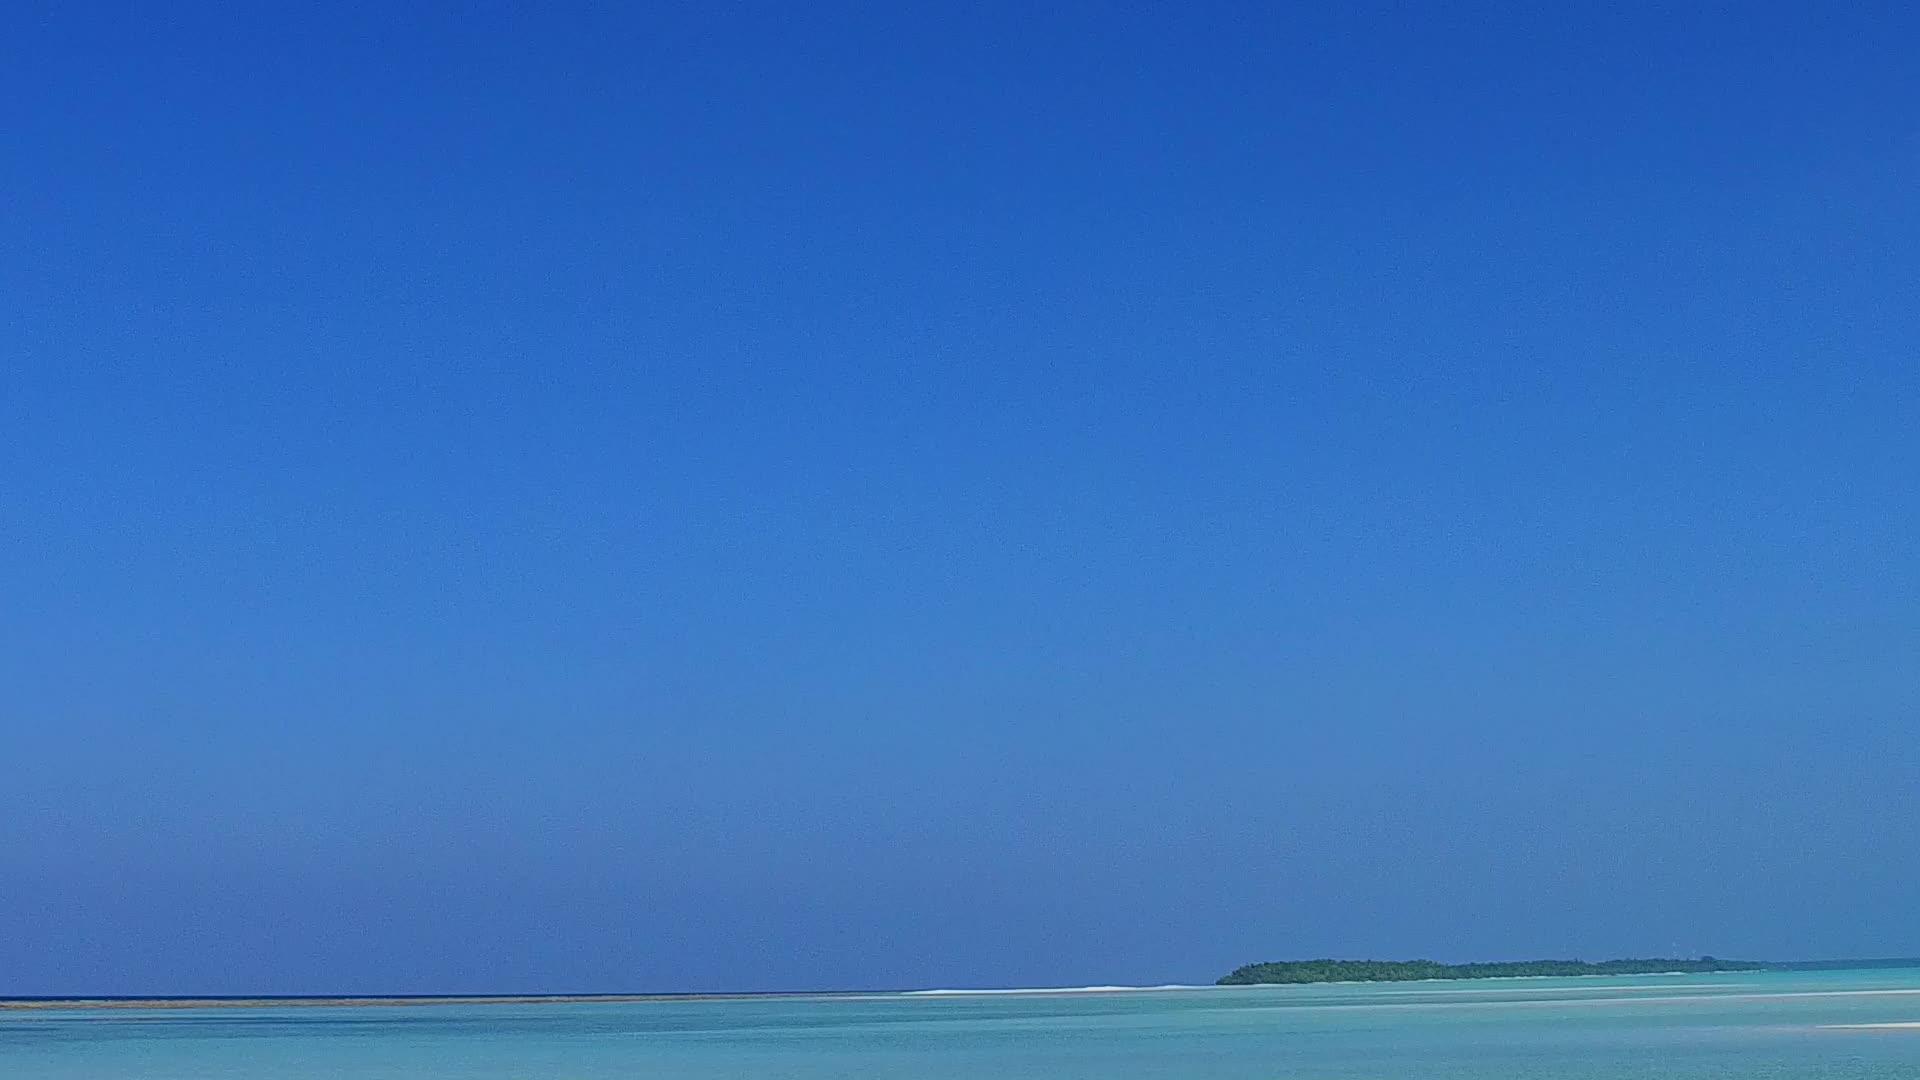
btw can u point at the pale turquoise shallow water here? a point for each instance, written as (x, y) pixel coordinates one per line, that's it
(1646, 1028)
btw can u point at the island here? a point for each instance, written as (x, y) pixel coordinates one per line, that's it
(1325, 971)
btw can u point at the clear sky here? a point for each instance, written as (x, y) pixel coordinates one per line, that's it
(735, 496)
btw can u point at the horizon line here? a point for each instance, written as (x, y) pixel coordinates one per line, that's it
(50, 1001)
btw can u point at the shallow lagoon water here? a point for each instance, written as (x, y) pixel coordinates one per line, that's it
(1719, 1026)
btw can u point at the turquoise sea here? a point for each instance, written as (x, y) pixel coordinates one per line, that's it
(1749, 1025)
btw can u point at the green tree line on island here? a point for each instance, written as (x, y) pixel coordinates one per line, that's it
(1318, 971)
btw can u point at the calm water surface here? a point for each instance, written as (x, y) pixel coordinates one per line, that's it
(1648, 1028)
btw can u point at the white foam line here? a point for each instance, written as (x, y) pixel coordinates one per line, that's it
(1669, 989)
(1903, 1025)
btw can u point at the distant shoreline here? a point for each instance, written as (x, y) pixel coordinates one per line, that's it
(1328, 970)
(107, 1003)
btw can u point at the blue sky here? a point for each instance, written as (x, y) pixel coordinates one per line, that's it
(683, 497)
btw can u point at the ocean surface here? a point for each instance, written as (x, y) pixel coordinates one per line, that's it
(1750, 1026)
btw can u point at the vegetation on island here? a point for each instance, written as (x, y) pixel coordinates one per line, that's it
(1321, 971)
